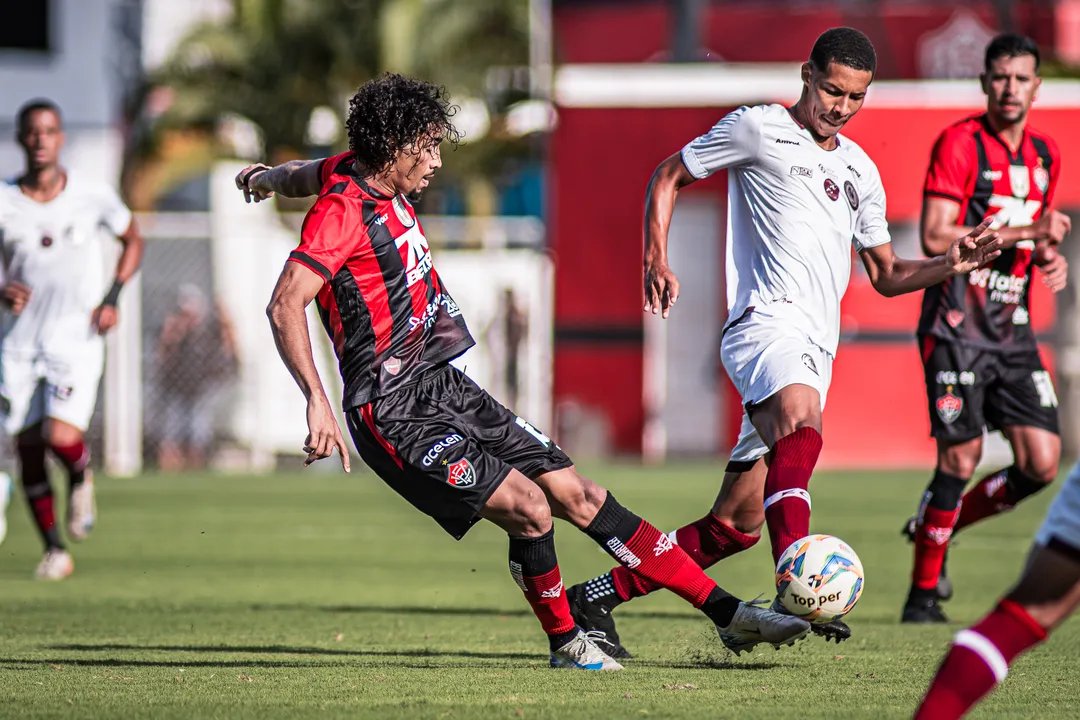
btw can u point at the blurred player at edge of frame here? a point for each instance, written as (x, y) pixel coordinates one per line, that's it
(58, 305)
(1045, 596)
(800, 195)
(981, 360)
(433, 435)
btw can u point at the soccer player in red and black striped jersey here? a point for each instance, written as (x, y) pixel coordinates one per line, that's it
(425, 428)
(980, 355)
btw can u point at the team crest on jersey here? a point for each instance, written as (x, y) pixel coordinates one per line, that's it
(402, 212)
(809, 362)
(949, 407)
(1019, 180)
(461, 473)
(1041, 178)
(832, 189)
(392, 365)
(851, 194)
(46, 240)
(954, 318)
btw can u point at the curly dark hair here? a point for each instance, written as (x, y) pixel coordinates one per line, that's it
(392, 112)
(845, 46)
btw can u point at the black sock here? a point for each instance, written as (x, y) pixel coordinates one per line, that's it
(557, 640)
(39, 493)
(720, 607)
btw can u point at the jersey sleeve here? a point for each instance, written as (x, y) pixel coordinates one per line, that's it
(732, 142)
(326, 167)
(952, 167)
(1055, 173)
(329, 236)
(114, 213)
(871, 228)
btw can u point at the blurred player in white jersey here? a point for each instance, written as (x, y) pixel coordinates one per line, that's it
(800, 197)
(58, 304)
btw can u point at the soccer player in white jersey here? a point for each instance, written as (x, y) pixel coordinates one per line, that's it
(800, 197)
(58, 304)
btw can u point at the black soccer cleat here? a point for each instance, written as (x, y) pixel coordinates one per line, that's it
(837, 630)
(944, 584)
(922, 608)
(596, 620)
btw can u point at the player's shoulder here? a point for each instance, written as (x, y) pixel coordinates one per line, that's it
(961, 132)
(858, 159)
(1038, 136)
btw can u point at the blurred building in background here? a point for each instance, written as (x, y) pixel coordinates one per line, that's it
(567, 106)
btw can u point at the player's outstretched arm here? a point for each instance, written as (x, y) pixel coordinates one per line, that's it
(296, 287)
(661, 285)
(938, 227)
(892, 275)
(294, 179)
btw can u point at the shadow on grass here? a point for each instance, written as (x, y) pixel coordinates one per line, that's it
(450, 611)
(686, 663)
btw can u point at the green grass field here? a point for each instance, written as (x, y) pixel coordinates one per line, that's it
(325, 595)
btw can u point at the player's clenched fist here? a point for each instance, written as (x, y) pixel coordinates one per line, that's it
(661, 288)
(247, 180)
(15, 295)
(323, 433)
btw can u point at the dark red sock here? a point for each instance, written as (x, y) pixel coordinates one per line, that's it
(996, 493)
(931, 541)
(639, 546)
(787, 502)
(534, 567)
(39, 493)
(707, 541)
(978, 660)
(74, 458)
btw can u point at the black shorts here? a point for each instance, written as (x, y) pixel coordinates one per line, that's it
(971, 388)
(446, 445)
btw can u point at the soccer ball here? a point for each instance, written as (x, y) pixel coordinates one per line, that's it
(819, 578)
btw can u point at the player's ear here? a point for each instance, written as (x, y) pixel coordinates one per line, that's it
(807, 72)
(983, 83)
(1038, 84)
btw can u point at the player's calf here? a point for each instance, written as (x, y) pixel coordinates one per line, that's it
(933, 528)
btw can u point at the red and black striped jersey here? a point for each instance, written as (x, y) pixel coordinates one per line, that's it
(383, 304)
(973, 166)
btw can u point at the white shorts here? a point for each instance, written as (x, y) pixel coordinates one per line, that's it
(33, 388)
(762, 355)
(1062, 521)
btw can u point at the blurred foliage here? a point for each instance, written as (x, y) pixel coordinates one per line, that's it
(273, 61)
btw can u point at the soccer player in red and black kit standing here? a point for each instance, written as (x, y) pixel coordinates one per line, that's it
(425, 428)
(980, 355)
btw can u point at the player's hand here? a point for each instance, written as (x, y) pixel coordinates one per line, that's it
(15, 295)
(974, 250)
(247, 180)
(661, 288)
(1054, 267)
(1052, 227)
(323, 433)
(104, 318)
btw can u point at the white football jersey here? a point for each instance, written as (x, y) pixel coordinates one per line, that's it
(794, 212)
(57, 249)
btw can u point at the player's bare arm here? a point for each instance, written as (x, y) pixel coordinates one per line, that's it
(15, 296)
(939, 227)
(296, 288)
(296, 178)
(661, 285)
(105, 317)
(892, 275)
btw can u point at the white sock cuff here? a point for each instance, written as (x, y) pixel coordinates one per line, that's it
(789, 493)
(988, 651)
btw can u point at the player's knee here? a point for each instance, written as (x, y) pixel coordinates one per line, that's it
(532, 515)
(576, 499)
(960, 460)
(1022, 485)
(1040, 468)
